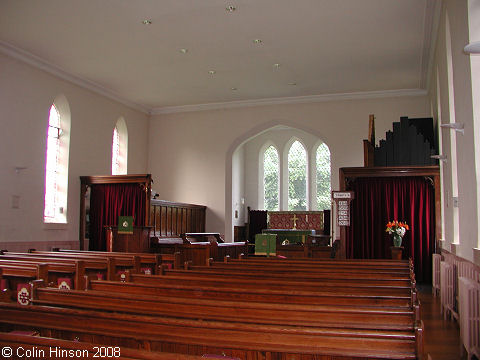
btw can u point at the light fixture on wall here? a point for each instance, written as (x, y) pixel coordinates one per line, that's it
(455, 126)
(439, 157)
(472, 48)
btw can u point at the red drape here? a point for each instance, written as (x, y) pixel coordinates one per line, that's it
(380, 200)
(107, 203)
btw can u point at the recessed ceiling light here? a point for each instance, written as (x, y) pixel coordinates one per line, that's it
(276, 66)
(146, 22)
(292, 83)
(183, 51)
(212, 72)
(257, 41)
(230, 8)
(233, 89)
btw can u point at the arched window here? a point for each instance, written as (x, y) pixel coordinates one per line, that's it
(297, 177)
(119, 148)
(270, 178)
(323, 177)
(56, 162)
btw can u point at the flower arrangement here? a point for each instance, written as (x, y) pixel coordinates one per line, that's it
(397, 230)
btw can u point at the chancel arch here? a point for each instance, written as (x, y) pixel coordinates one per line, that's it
(252, 146)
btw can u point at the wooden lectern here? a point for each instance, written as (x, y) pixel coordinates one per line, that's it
(138, 242)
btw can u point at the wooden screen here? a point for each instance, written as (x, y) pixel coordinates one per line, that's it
(170, 219)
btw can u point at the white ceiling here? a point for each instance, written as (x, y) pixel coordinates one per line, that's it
(323, 46)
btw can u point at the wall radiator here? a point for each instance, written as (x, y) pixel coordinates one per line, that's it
(437, 258)
(448, 289)
(469, 315)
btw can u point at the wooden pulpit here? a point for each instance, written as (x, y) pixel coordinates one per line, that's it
(137, 242)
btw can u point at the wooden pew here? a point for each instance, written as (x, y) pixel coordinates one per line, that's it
(153, 261)
(121, 263)
(319, 316)
(31, 346)
(367, 263)
(289, 296)
(247, 341)
(50, 272)
(13, 274)
(58, 267)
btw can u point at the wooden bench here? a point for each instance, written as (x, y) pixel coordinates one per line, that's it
(92, 261)
(290, 296)
(76, 268)
(320, 316)
(247, 341)
(138, 261)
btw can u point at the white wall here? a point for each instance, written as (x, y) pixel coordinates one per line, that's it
(190, 153)
(26, 95)
(457, 13)
(238, 187)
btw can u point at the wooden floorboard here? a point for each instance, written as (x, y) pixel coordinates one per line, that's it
(441, 337)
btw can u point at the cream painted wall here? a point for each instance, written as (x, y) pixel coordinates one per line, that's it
(457, 13)
(190, 153)
(238, 187)
(26, 95)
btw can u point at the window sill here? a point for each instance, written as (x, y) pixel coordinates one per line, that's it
(55, 226)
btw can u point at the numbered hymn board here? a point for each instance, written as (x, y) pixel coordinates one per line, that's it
(343, 199)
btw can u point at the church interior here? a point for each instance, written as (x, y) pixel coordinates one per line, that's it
(243, 180)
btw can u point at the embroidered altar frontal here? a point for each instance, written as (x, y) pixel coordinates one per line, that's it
(299, 220)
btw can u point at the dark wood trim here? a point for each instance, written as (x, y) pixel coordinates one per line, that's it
(432, 171)
(144, 180)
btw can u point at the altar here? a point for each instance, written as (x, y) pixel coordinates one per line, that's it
(289, 236)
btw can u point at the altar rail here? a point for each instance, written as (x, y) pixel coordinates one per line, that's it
(171, 219)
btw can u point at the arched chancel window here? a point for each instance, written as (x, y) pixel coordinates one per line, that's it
(323, 177)
(56, 162)
(297, 177)
(270, 178)
(119, 148)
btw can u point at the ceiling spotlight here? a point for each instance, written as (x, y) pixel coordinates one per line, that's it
(212, 72)
(292, 83)
(146, 22)
(183, 51)
(257, 41)
(233, 89)
(276, 66)
(230, 8)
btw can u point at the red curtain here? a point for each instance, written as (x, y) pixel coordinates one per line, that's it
(107, 203)
(380, 200)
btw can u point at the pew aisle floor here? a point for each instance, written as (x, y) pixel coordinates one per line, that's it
(441, 337)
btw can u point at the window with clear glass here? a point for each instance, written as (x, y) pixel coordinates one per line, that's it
(56, 162)
(120, 148)
(323, 177)
(116, 152)
(52, 166)
(297, 177)
(270, 178)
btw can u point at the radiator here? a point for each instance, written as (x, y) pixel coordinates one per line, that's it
(437, 258)
(448, 289)
(469, 315)
(468, 270)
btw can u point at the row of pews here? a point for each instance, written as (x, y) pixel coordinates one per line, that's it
(255, 308)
